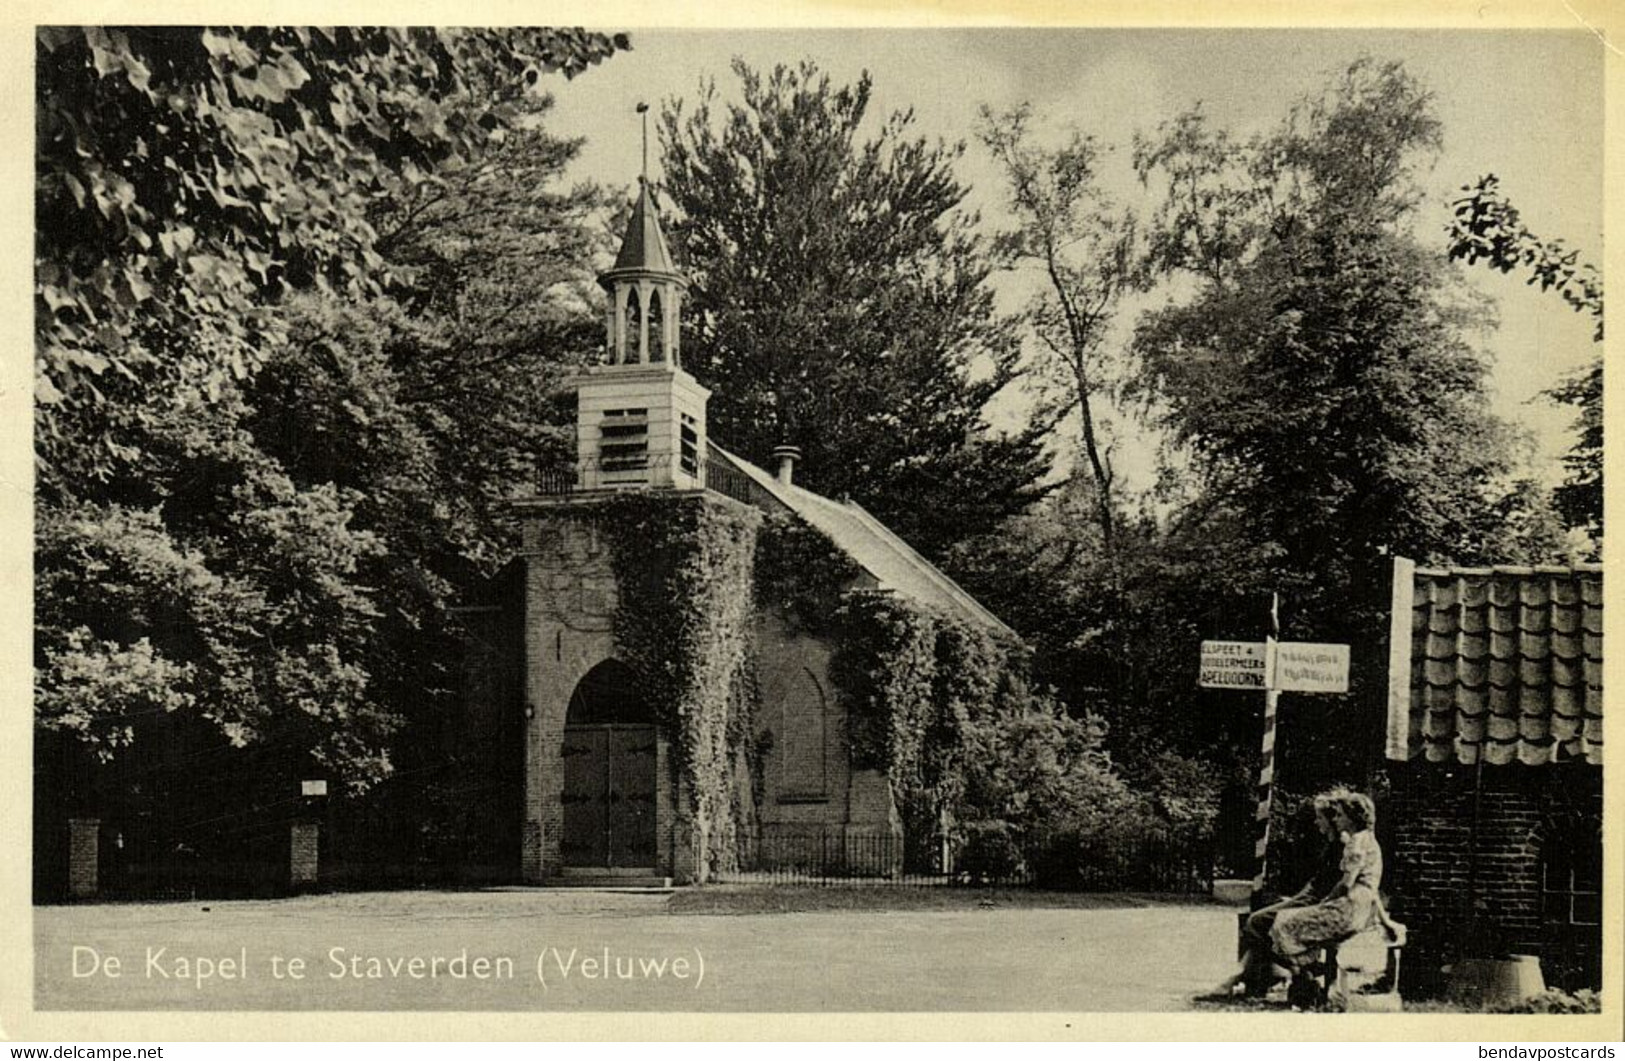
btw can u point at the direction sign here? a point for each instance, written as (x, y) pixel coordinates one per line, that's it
(1233, 665)
(1302, 667)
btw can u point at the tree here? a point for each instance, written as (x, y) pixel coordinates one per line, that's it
(1118, 633)
(1488, 228)
(238, 590)
(1069, 229)
(493, 265)
(1319, 377)
(839, 301)
(295, 503)
(187, 177)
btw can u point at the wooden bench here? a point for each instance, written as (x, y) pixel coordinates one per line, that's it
(1314, 988)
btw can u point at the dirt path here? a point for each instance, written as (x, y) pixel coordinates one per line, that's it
(598, 951)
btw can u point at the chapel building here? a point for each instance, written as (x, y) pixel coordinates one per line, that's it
(615, 783)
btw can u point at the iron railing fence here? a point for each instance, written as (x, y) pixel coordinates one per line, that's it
(605, 474)
(723, 478)
(1150, 862)
(717, 476)
(557, 480)
(830, 855)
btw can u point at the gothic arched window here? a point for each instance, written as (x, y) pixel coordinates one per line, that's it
(803, 739)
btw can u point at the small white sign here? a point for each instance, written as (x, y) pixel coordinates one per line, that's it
(1233, 665)
(313, 788)
(1301, 667)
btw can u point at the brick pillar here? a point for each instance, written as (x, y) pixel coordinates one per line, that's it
(686, 865)
(685, 861)
(530, 854)
(84, 850)
(665, 816)
(873, 834)
(303, 838)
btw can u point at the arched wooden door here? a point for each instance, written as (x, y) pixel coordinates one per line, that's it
(609, 773)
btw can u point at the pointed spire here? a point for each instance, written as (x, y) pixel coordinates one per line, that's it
(643, 248)
(644, 252)
(645, 288)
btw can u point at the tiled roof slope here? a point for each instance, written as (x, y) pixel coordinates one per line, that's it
(871, 544)
(1502, 664)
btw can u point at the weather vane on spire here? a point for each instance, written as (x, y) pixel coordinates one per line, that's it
(643, 109)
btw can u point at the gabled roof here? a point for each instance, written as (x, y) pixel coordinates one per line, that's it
(1502, 664)
(888, 560)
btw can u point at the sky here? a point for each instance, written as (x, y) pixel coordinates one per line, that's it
(1526, 105)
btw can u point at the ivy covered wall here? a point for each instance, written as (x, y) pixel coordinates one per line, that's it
(935, 704)
(940, 705)
(683, 566)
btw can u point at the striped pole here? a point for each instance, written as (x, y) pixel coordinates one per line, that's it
(1266, 768)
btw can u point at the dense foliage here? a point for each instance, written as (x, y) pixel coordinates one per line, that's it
(185, 177)
(975, 755)
(840, 303)
(684, 621)
(1308, 370)
(1320, 379)
(1488, 228)
(1323, 382)
(280, 400)
(800, 574)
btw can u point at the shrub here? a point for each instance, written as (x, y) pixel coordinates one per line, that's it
(1554, 1001)
(990, 852)
(1184, 791)
(1099, 852)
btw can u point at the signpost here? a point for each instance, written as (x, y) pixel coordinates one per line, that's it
(1308, 668)
(1233, 665)
(1273, 667)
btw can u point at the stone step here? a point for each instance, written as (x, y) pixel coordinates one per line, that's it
(618, 878)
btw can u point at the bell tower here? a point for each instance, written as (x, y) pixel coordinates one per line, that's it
(640, 419)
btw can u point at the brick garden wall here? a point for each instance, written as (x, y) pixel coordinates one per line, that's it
(1474, 890)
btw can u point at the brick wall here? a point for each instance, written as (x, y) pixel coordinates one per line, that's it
(808, 786)
(1470, 886)
(815, 807)
(569, 614)
(804, 772)
(570, 601)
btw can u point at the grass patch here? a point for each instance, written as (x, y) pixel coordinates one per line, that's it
(1435, 1005)
(724, 899)
(1278, 1004)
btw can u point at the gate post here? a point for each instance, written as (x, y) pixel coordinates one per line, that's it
(84, 851)
(304, 839)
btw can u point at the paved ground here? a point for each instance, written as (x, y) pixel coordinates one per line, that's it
(548, 950)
